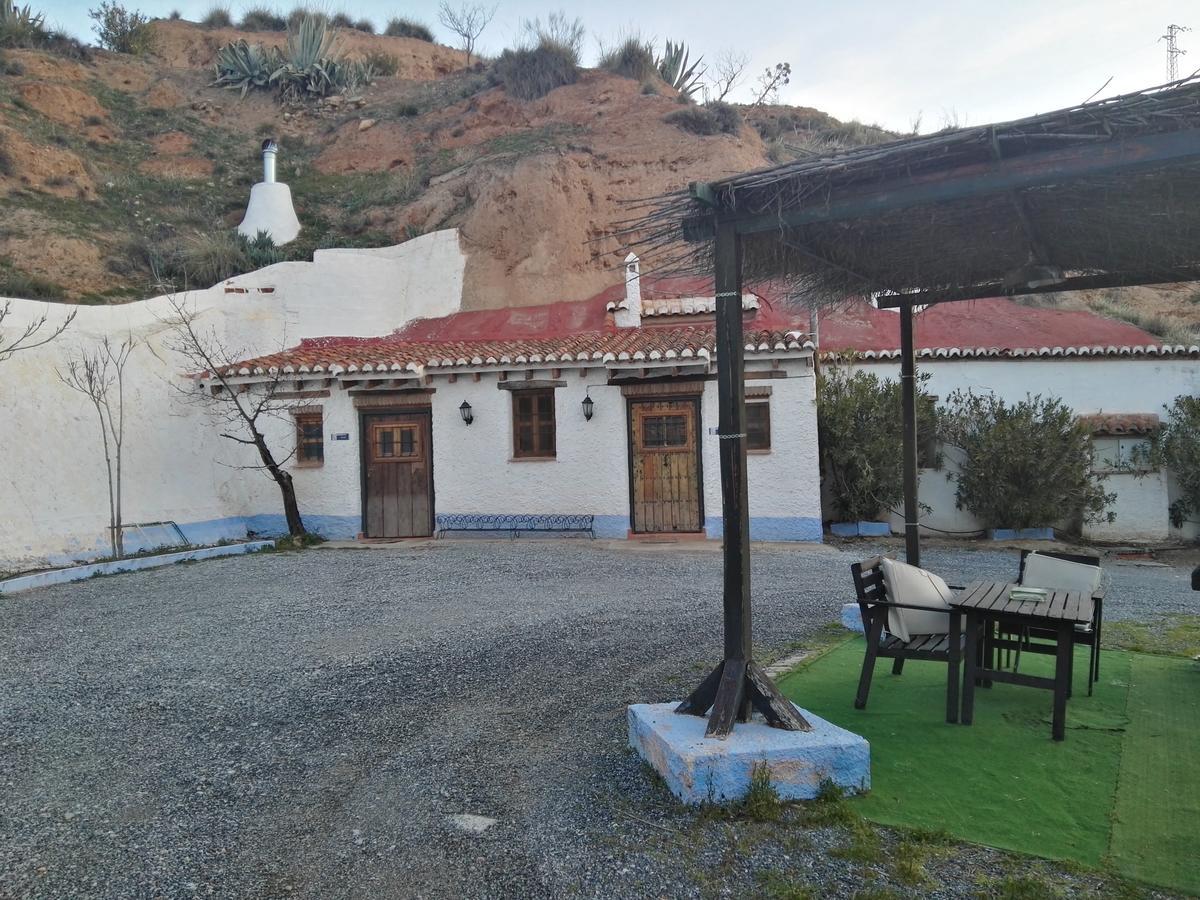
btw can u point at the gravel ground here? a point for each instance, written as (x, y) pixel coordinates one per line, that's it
(308, 724)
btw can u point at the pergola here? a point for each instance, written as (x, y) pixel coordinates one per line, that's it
(1105, 194)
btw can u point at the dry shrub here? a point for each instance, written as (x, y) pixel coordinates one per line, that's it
(409, 28)
(531, 72)
(217, 17)
(715, 118)
(380, 62)
(633, 58)
(261, 18)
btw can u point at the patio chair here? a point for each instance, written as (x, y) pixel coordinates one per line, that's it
(1070, 572)
(916, 621)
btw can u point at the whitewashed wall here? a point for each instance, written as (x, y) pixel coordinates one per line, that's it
(53, 492)
(475, 472)
(1104, 385)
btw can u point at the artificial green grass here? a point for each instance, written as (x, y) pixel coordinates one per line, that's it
(1002, 781)
(1157, 816)
(1123, 789)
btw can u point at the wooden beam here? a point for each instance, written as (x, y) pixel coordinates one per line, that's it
(908, 409)
(556, 373)
(475, 376)
(1073, 283)
(978, 179)
(502, 376)
(452, 377)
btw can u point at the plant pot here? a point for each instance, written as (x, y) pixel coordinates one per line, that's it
(860, 529)
(1021, 534)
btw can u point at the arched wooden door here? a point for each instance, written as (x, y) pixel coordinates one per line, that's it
(665, 474)
(397, 474)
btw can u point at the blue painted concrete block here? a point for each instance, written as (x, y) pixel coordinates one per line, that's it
(1021, 534)
(852, 618)
(771, 528)
(699, 769)
(860, 529)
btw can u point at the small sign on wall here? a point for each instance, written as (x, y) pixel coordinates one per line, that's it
(341, 436)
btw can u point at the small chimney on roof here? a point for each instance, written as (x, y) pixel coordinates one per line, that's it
(269, 149)
(270, 208)
(629, 313)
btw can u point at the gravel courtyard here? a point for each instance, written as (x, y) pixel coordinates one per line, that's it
(309, 724)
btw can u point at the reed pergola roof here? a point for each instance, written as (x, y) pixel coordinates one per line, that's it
(1102, 194)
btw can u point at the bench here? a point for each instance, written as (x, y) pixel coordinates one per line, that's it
(514, 525)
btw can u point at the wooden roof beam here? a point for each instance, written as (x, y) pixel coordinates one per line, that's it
(979, 179)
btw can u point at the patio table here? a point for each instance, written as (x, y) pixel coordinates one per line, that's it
(987, 605)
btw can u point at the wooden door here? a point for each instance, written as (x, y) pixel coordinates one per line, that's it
(397, 474)
(665, 465)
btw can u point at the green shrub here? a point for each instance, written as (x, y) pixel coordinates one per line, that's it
(712, 118)
(341, 20)
(859, 435)
(364, 25)
(120, 30)
(209, 258)
(14, 283)
(380, 62)
(217, 17)
(531, 72)
(632, 58)
(409, 28)
(1177, 447)
(1027, 464)
(20, 26)
(260, 18)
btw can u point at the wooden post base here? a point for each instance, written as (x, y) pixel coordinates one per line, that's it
(731, 690)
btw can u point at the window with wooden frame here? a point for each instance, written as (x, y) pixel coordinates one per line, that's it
(533, 424)
(758, 426)
(396, 443)
(310, 438)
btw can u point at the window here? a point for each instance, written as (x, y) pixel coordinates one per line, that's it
(664, 432)
(395, 443)
(310, 439)
(1121, 454)
(533, 424)
(758, 426)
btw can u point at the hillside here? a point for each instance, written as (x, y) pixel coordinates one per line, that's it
(114, 168)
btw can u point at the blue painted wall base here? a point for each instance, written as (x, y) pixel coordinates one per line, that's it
(1021, 534)
(699, 769)
(860, 529)
(852, 618)
(771, 528)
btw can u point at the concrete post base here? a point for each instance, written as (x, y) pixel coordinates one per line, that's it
(699, 769)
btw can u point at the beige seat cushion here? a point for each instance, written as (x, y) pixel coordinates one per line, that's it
(908, 584)
(1060, 574)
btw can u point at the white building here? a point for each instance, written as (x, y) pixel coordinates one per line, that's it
(604, 409)
(1116, 376)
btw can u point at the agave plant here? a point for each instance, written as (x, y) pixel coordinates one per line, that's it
(244, 66)
(675, 71)
(20, 26)
(312, 66)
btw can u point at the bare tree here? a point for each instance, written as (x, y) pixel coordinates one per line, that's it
(467, 21)
(727, 72)
(238, 410)
(99, 374)
(771, 81)
(32, 334)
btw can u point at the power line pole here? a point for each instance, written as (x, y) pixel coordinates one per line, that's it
(1173, 51)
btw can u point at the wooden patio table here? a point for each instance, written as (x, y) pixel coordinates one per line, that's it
(986, 605)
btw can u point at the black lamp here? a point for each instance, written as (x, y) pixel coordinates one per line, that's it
(465, 412)
(588, 407)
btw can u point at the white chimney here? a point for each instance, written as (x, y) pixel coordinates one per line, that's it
(269, 148)
(629, 313)
(270, 207)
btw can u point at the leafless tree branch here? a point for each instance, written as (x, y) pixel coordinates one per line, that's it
(467, 21)
(728, 70)
(30, 335)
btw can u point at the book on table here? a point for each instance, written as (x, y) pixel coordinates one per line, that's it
(1029, 594)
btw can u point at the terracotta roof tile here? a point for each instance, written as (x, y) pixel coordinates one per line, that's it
(1121, 423)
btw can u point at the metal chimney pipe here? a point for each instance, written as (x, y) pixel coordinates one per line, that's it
(269, 149)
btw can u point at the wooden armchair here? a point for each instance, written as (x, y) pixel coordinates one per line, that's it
(874, 605)
(1039, 640)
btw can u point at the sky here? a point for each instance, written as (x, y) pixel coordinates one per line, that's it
(881, 62)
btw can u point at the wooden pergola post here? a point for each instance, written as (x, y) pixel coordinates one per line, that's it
(737, 685)
(908, 403)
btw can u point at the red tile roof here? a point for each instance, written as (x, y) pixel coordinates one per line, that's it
(1121, 423)
(995, 327)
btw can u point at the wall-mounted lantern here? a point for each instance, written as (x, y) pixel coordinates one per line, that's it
(588, 407)
(465, 412)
